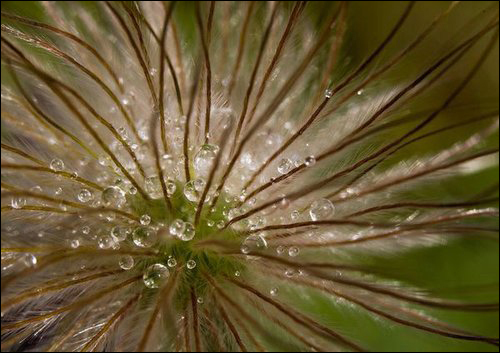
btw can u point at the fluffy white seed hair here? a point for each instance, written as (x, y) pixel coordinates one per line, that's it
(217, 176)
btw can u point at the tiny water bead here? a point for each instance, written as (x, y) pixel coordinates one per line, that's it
(204, 158)
(56, 165)
(74, 243)
(310, 161)
(200, 300)
(105, 241)
(126, 262)
(113, 196)
(172, 262)
(328, 93)
(18, 202)
(85, 195)
(144, 237)
(293, 251)
(254, 242)
(193, 189)
(170, 186)
(145, 220)
(155, 275)
(188, 233)
(274, 292)
(191, 264)
(85, 229)
(285, 165)
(321, 209)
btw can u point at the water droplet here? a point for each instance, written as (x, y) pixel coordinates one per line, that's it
(285, 165)
(74, 243)
(18, 202)
(85, 195)
(293, 251)
(210, 223)
(56, 165)
(294, 215)
(237, 274)
(360, 92)
(154, 275)
(113, 196)
(166, 161)
(153, 187)
(328, 93)
(321, 209)
(284, 203)
(177, 227)
(191, 264)
(144, 237)
(193, 189)
(145, 220)
(28, 260)
(120, 233)
(188, 233)
(105, 241)
(132, 190)
(172, 262)
(85, 229)
(171, 187)
(204, 158)
(310, 161)
(126, 262)
(220, 224)
(274, 292)
(254, 242)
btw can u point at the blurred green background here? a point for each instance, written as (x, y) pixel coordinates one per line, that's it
(443, 269)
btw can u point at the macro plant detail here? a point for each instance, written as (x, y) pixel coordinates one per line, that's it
(249, 176)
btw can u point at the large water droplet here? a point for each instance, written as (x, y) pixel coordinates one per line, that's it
(153, 187)
(126, 262)
(188, 233)
(56, 164)
(113, 196)
(204, 158)
(254, 242)
(284, 166)
(321, 209)
(120, 233)
(144, 237)
(193, 189)
(85, 195)
(177, 227)
(154, 275)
